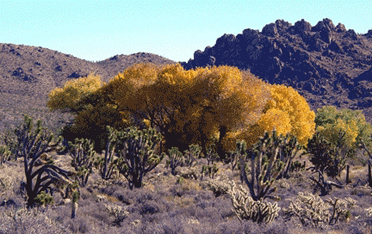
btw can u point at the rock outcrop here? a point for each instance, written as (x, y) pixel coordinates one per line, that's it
(328, 64)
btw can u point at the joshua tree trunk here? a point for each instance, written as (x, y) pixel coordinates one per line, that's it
(74, 206)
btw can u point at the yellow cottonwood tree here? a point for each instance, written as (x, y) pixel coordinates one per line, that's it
(286, 111)
(288, 103)
(68, 98)
(189, 106)
(202, 106)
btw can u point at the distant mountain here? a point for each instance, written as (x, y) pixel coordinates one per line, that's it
(328, 64)
(28, 74)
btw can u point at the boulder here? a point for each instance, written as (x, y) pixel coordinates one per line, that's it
(270, 30)
(325, 24)
(369, 34)
(302, 26)
(325, 35)
(351, 34)
(340, 28)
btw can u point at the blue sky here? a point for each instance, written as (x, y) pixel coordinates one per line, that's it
(96, 30)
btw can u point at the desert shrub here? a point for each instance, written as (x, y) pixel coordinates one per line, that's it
(247, 208)
(29, 221)
(328, 157)
(312, 210)
(79, 225)
(5, 154)
(218, 187)
(118, 212)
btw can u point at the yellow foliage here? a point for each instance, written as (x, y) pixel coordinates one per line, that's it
(68, 97)
(220, 104)
(189, 106)
(301, 117)
(275, 118)
(331, 131)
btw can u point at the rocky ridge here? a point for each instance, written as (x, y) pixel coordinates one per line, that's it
(328, 64)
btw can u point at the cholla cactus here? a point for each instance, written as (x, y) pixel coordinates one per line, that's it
(369, 211)
(247, 208)
(312, 210)
(119, 213)
(4, 154)
(218, 187)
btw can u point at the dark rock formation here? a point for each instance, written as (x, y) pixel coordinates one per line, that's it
(328, 64)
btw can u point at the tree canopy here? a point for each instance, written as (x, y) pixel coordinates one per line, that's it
(205, 106)
(330, 122)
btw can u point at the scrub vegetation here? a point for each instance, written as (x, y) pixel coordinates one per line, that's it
(161, 149)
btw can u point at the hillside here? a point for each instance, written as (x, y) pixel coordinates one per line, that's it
(28, 74)
(328, 64)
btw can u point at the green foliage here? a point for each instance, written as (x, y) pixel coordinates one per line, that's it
(269, 158)
(108, 164)
(5, 154)
(211, 154)
(175, 159)
(352, 123)
(43, 199)
(191, 154)
(31, 142)
(248, 209)
(83, 156)
(327, 156)
(210, 171)
(136, 154)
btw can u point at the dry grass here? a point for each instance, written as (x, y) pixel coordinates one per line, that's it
(168, 204)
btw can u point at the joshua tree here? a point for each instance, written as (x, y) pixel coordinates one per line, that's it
(268, 158)
(191, 154)
(136, 154)
(366, 149)
(108, 164)
(175, 159)
(32, 143)
(82, 153)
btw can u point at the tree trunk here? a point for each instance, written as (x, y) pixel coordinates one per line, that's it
(369, 175)
(348, 174)
(75, 207)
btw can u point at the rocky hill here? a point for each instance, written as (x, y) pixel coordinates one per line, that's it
(328, 64)
(28, 74)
